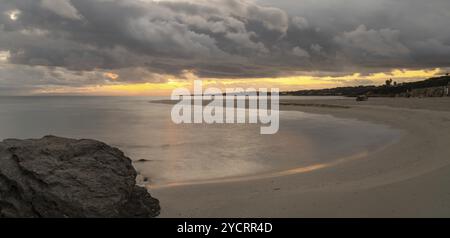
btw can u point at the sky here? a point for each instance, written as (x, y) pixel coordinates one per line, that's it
(145, 47)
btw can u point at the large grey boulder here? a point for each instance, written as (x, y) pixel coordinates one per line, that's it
(59, 177)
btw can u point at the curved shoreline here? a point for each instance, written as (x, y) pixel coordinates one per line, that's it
(251, 177)
(407, 179)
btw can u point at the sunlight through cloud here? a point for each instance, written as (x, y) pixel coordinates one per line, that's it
(13, 15)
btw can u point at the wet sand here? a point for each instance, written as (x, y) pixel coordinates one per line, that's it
(410, 178)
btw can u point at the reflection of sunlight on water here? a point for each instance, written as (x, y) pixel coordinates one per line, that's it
(288, 172)
(203, 152)
(200, 153)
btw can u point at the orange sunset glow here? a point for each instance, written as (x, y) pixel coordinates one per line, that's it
(283, 83)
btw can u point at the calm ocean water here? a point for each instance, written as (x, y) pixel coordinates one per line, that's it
(177, 153)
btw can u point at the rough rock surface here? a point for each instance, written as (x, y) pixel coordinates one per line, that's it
(59, 177)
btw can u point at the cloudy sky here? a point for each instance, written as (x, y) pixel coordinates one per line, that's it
(134, 47)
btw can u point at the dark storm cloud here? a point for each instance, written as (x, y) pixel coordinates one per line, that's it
(375, 35)
(166, 37)
(225, 38)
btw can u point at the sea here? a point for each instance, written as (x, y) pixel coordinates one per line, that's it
(166, 153)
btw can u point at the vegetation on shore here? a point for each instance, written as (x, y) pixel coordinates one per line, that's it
(390, 89)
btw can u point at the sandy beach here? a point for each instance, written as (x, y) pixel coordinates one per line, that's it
(410, 178)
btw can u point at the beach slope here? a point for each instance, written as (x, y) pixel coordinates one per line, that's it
(410, 178)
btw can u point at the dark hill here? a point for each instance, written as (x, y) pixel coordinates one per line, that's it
(401, 89)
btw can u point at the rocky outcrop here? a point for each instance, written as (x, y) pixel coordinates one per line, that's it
(59, 177)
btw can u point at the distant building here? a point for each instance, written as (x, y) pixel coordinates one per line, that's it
(429, 92)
